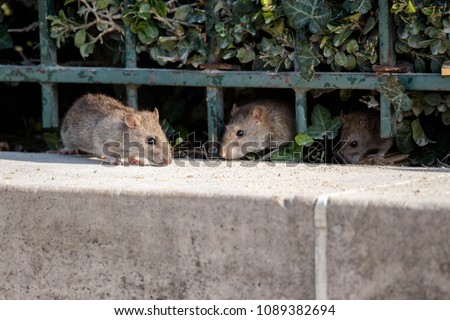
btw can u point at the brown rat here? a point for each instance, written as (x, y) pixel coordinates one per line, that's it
(257, 126)
(103, 126)
(360, 136)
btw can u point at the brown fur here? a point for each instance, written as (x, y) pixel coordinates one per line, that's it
(266, 124)
(362, 127)
(96, 120)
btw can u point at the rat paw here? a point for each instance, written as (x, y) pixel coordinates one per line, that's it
(136, 162)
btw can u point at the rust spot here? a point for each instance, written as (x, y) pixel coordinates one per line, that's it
(389, 69)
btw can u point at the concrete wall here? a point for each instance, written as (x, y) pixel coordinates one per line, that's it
(71, 228)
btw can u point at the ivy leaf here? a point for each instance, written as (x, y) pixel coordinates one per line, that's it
(80, 38)
(160, 8)
(167, 43)
(102, 4)
(307, 58)
(221, 29)
(243, 6)
(403, 137)
(5, 39)
(394, 90)
(445, 116)
(340, 58)
(62, 16)
(51, 139)
(102, 26)
(295, 152)
(312, 13)
(323, 124)
(341, 37)
(370, 23)
(196, 16)
(351, 62)
(197, 60)
(442, 107)
(286, 154)
(303, 139)
(246, 54)
(428, 109)
(159, 55)
(182, 12)
(352, 46)
(86, 49)
(417, 133)
(361, 6)
(228, 54)
(433, 99)
(184, 48)
(144, 11)
(419, 65)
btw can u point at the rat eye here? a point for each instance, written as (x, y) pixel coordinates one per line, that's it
(239, 133)
(151, 141)
(354, 143)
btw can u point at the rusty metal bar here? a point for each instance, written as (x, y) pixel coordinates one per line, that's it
(131, 62)
(214, 93)
(301, 111)
(48, 58)
(387, 57)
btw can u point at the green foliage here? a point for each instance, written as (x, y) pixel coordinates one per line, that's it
(410, 133)
(347, 42)
(260, 33)
(323, 124)
(394, 90)
(423, 33)
(169, 31)
(417, 133)
(403, 138)
(312, 13)
(91, 23)
(52, 140)
(438, 104)
(256, 32)
(5, 38)
(295, 151)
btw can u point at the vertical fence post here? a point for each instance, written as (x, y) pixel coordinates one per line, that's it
(300, 94)
(214, 95)
(387, 57)
(131, 62)
(48, 57)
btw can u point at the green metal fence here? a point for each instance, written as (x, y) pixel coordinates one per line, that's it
(49, 74)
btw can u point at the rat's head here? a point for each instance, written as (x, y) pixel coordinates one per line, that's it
(357, 132)
(246, 132)
(147, 141)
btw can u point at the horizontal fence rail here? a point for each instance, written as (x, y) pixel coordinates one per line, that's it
(208, 78)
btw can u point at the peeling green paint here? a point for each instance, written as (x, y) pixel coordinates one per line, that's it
(243, 79)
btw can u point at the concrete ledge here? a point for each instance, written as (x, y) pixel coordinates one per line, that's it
(72, 228)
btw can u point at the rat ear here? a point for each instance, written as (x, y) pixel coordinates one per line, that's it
(370, 123)
(132, 120)
(156, 113)
(234, 109)
(257, 114)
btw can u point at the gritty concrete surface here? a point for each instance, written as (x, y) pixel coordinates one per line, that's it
(72, 228)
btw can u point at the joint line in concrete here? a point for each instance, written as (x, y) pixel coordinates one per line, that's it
(320, 231)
